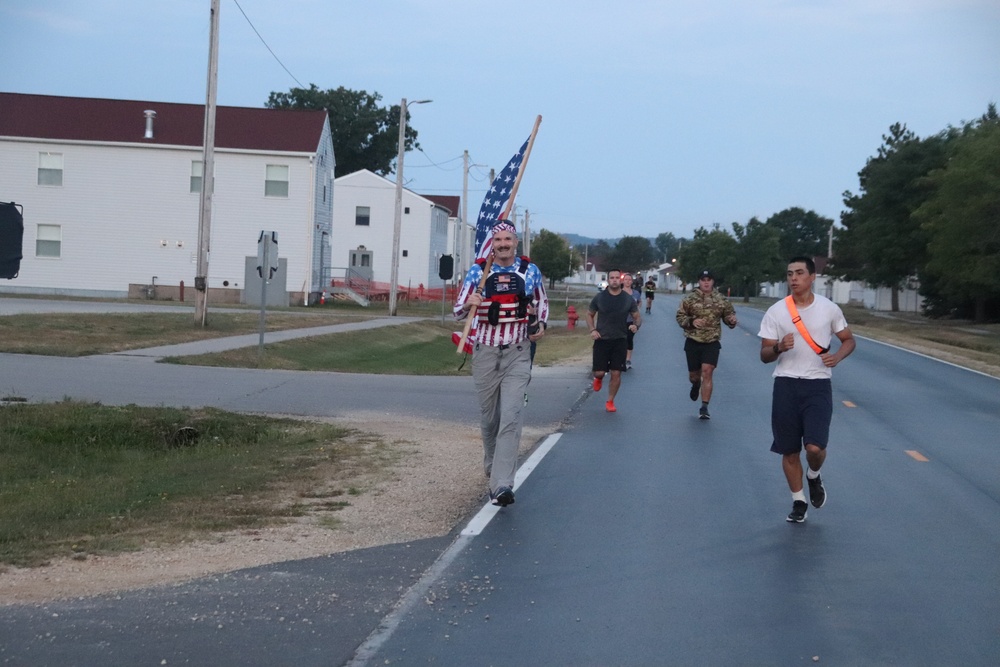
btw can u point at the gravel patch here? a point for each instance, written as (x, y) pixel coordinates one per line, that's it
(441, 465)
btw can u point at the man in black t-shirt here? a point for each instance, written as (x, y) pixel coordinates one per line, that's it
(607, 317)
(650, 288)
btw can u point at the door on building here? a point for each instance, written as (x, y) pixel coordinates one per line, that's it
(361, 262)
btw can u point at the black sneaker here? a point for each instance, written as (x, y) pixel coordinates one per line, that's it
(503, 497)
(817, 492)
(703, 412)
(798, 513)
(695, 390)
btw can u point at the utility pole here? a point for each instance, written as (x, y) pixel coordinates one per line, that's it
(527, 232)
(207, 173)
(461, 231)
(465, 255)
(398, 218)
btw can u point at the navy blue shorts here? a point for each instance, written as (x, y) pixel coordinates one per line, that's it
(801, 411)
(609, 355)
(701, 353)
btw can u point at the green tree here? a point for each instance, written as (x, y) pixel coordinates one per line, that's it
(962, 221)
(800, 232)
(880, 241)
(365, 135)
(631, 253)
(667, 244)
(758, 258)
(553, 256)
(597, 254)
(716, 250)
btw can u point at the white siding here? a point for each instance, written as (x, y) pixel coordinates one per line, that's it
(240, 211)
(127, 214)
(423, 231)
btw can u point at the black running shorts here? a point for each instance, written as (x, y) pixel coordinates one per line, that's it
(609, 355)
(701, 353)
(801, 411)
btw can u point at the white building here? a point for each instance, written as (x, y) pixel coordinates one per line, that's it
(111, 196)
(363, 221)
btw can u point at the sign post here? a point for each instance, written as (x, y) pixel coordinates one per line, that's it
(446, 269)
(267, 264)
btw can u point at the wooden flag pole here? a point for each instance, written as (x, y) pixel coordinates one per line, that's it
(520, 172)
(489, 260)
(471, 316)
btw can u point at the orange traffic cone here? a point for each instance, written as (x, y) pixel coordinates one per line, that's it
(322, 298)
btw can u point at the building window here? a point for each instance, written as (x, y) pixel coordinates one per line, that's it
(48, 241)
(197, 172)
(406, 210)
(406, 253)
(366, 261)
(363, 216)
(276, 181)
(50, 169)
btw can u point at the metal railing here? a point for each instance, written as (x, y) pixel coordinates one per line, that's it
(350, 278)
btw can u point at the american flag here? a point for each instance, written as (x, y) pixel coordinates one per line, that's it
(496, 200)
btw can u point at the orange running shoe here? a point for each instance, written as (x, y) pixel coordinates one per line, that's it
(610, 406)
(598, 382)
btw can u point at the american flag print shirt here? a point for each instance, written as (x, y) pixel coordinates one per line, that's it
(504, 333)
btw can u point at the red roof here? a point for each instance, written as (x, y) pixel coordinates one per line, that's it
(447, 202)
(124, 121)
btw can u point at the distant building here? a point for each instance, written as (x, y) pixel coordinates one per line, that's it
(363, 222)
(111, 195)
(452, 203)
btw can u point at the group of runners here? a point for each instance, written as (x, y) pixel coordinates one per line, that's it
(796, 332)
(503, 292)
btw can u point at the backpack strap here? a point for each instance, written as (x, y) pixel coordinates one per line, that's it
(797, 321)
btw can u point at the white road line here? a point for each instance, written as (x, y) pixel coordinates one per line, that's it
(925, 356)
(418, 591)
(483, 517)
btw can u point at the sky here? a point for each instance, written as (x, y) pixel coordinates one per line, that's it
(657, 115)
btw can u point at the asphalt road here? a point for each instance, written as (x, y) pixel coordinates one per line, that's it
(645, 537)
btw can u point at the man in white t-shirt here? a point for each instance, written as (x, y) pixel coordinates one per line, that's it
(802, 399)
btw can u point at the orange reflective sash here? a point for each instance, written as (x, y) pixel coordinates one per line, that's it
(797, 321)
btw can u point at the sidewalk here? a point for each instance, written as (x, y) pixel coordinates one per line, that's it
(251, 340)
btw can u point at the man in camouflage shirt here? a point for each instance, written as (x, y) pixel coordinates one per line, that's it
(701, 315)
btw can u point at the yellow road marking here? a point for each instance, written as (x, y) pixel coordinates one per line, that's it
(849, 404)
(917, 455)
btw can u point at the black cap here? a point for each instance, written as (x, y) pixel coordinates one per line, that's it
(706, 273)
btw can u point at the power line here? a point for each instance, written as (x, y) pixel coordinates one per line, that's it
(483, 175)
(265, 44)
(438, 165)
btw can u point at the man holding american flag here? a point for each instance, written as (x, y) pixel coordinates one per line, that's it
(500, 292)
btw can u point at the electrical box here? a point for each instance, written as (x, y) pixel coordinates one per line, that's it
(11, 239)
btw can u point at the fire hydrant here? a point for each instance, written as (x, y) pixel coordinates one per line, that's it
(571, 317)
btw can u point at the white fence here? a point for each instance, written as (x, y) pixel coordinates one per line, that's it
(854, 293)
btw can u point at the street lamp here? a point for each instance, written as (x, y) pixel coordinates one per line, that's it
(398, 219)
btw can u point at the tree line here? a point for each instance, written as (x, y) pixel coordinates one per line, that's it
(926, 215)
(741, 259)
